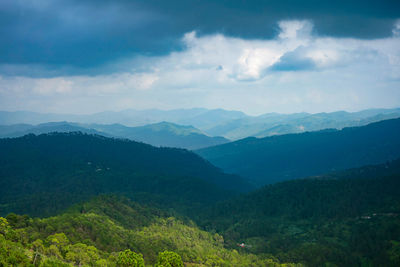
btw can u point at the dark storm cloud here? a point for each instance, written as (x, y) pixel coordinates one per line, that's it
(82, 35)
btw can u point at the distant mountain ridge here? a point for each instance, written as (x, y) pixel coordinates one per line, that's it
(18, 130)
(273, 159)
(163, 134)
(277, 124)
(232, 125)
(160, 134)
(198, 117)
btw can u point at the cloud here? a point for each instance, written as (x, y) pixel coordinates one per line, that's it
(140, 81)
(52, 86)
(297, 70)
(294, 61)
(295, 48)
(80, 36)
(295, 29)
(396, 29)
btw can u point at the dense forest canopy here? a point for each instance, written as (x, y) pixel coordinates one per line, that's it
(277, 158)
(347, 218)
(71, 167)
(138, 204)
(113, 231)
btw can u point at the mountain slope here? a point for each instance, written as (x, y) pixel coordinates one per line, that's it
(18, 130)
(277, 124)
(348, 218)
(70, 167)
(284, 157)
(162, 134)
(232, 125)
(198, 117)
(94, 233)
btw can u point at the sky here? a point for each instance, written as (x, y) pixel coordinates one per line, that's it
(259, 56)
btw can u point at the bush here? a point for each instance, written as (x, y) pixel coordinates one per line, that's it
(169, 259)
(129, 258)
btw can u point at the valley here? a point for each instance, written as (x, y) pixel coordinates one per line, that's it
(78, 197)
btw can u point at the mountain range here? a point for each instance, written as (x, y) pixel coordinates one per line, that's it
(232, 125)
(159, 134)
(277, 124)
(124, 193)
(277, 158)
(65, 168)
(198, 117)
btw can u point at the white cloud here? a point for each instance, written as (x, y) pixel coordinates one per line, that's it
(295, 29)
(52, 86)
(396, 28)
(216, 71)
(140, 81)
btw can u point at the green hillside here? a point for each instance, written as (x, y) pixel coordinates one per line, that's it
(44, 174)
(277, 158)
(350, 218)
(97, 201)
(99, 232)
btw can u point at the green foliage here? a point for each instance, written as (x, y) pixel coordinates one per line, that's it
(43, 175)
(342, 219)
(128, 258)
(60, 240)
(81, 254)
(169, 259)
(94, 237)
(348, 218)
(38, 251)
(4, 226)
(53, 262)
(394, 253)
(12, 253)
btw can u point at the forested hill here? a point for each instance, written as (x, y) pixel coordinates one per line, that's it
(70, 167)
(291, 156)
(18, 130)
(350, 193)
(113, 231)
(163, 134)
(349, 218)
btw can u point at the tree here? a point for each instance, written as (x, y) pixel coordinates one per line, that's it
(12, 254)
(82, 254)
(128, 258)
(60, 240)
(38, 250)
(4, 226)
(169, 259)
(394, 253)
